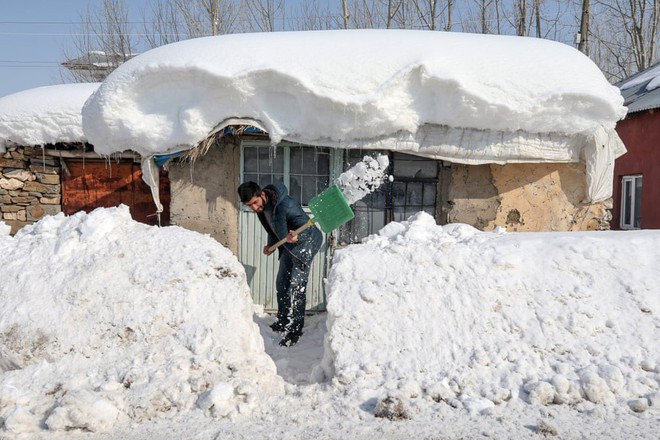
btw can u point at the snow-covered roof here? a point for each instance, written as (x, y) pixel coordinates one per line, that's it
(96, 59)
(44, 115)
(392, 89)
(642, 90)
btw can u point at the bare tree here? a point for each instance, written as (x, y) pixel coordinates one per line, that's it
(175, 20)
(625, 34)
(429, 13)
(537, 14)
(367, 14)
(520, 17)
(163, 25)
(393, 8)
(583, 36)
(479, 17)
(105, 42)
(264, 15)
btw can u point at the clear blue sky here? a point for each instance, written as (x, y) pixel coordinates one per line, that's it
(33, 38)
(35, 35)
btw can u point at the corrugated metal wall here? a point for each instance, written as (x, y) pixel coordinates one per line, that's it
(262, 270)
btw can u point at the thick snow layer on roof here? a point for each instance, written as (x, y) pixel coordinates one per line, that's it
(44, 115)
(360, 88)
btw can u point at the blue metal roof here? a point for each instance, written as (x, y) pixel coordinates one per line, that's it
(638, 97)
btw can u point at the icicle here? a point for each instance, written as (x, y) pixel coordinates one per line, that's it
(43, 157)
(272, 155)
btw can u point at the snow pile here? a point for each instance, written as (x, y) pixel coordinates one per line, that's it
(106, 321)
(137, 332)
(360, 88)
(44, 115)
(478, 319)
(363, 178)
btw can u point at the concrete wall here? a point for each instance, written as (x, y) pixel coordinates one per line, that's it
(204, 195)
(521, 197)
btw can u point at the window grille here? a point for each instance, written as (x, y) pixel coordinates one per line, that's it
(413, 189)
(304, 170)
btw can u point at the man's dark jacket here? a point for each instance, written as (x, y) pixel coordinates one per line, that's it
(288, 215)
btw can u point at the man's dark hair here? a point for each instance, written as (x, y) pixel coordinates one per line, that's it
(247, 190)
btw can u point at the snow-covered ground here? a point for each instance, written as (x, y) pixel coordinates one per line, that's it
(111, 329)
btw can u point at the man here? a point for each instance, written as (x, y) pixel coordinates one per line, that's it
(280, 216)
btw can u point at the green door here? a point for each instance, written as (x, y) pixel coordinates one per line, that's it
(306, 171)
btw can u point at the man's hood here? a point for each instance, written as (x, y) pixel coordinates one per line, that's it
(280, 189)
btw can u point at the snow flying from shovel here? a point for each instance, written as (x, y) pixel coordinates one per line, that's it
(363, 178)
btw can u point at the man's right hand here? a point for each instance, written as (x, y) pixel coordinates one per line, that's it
(267, 251)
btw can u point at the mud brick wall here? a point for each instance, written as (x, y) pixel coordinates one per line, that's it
(527, 197)
(30, 186)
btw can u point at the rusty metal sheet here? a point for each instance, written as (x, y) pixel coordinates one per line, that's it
(90, 184)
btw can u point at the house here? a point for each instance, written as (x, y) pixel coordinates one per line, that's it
(47, 166)
(95, 65)
(637, 173)
(500, 137)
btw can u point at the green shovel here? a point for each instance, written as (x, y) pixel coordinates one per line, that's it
(329, 209)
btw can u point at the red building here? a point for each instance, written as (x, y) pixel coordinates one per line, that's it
(637, 173)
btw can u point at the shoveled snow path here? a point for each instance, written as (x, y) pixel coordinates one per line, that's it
(295, 364)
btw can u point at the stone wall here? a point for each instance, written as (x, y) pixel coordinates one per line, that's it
(29, 186)
(522, 197)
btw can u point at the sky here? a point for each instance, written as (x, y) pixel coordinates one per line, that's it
(34, 37)
(430, 332)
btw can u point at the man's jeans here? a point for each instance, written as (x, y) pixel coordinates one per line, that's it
(291, 285)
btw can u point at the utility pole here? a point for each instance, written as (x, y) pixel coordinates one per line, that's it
(582, 39)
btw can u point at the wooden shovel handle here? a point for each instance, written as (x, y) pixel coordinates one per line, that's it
(309, 223)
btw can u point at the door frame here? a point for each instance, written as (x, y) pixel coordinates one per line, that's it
(262, 270)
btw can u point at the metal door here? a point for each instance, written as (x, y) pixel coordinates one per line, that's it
(92, 184)
(306, 171)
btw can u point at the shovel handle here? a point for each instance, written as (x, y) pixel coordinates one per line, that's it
(309, 223)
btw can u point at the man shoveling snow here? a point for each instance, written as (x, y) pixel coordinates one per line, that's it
(280, 215)
(291, 231)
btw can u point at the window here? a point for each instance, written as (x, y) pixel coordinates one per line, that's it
(304, 170)
(631, 202)
(413, 189)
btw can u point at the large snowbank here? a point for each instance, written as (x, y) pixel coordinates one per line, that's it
(478, 319)
(44, 115)
(478, 98)
(106, 321)
(148, 333)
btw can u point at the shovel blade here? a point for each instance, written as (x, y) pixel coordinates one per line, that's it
(330, 209)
